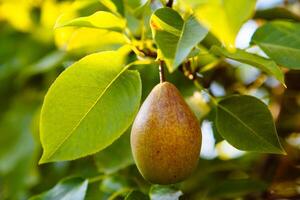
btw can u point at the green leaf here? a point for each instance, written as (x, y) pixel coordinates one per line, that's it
(174, 37)
(225, 18)
(262, 63)
(140, 10)
(115, 157)
(68, 189)
(115, 6)
(136, 195)
(16, 142)
(281, 42)
(18, 151)
(100, 19)
(110, 40)
(247, 124)
(277, 13)
(115, 183)
(89, 106)
(158, 192)
(43, 65)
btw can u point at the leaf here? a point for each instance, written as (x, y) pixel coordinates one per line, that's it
(225, 18)
(89, 106)
(247, 124)
(18, 151)
(142, 8)
(115, 183)
(136, 195)
(68, 189)
(281, 42)
(100, 19)
(277, 13)
(262, 63)
(16, 143)
(43, 65)
(110, 40)
(174, 37)
(158, 192)
(114, 6)
(115, 157)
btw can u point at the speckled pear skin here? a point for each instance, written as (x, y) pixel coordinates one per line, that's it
(165, 137)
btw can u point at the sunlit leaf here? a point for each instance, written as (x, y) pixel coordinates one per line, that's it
(100, 19)
(75, 41)
(114, 6)
(280, 41)
(174, 37)
(266, 65)
(82, 106)
(247, 124)
(225, 18)
(17, 14)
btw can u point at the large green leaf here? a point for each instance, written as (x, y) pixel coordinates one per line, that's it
(116, 156)
(225, 18)
(158, 192)
(174, 37)
(266, 65)
(280, 40)
(247, 124)
(100, 19)
(88, 106)
(78, 44)
(68, 189)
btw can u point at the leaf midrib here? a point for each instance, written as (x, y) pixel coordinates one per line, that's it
(79, 122)
(244, 124)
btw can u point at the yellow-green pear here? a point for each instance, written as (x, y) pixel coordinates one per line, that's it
(165, 137)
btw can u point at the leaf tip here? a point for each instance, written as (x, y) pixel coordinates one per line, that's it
(282, 151)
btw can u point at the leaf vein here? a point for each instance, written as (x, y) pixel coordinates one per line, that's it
(244, 124)
(84, 116)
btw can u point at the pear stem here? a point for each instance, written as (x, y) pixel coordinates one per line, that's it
(170, 3)
(161, 72)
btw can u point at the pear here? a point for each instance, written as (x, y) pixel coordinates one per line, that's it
(165, 137)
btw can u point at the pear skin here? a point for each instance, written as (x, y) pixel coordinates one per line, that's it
(165, 137)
